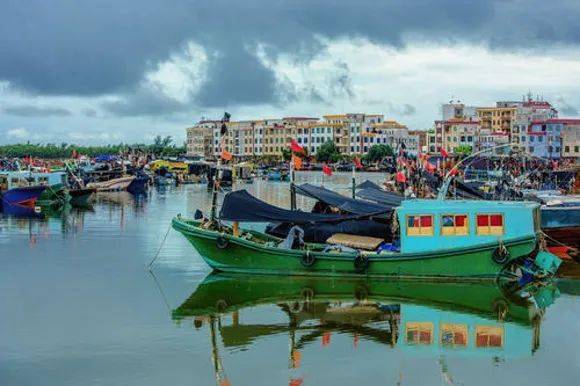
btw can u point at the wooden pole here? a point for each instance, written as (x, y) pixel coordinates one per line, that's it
(353, 181)
(292, 187)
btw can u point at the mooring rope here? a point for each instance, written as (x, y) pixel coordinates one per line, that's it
(160, 247)
(559, 243)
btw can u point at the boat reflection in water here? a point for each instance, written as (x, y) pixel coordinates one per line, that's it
(417, 318)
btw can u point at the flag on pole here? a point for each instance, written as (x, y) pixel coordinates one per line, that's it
(297, 162)
(326, 170)
(401, 177)
(357, 163)
(75, 154)
(295, 147)
(226, 155)
(444, 153)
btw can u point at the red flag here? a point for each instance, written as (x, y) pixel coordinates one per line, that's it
(294, 146)
(357, 163)
(326, 170)
(297, 161)
(401, 177)
(429, 166)
(326, 338)
(444, 153)
(226, 155)
(74, 154)
(454, 172)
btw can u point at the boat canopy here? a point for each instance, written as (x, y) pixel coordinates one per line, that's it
(368, 184)
(242, 206)
(376, 194)
(341, 202)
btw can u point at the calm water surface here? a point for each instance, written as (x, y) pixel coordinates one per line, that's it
(79, 307)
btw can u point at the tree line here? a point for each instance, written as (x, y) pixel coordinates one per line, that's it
(161, 146)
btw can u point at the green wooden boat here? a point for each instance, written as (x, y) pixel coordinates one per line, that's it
(438, 239)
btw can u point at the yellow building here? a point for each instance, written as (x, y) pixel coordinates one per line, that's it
(496, 119)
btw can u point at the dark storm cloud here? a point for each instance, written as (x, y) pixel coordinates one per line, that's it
(65, 47)
(35, 111)
(143, 102)
(404, 109)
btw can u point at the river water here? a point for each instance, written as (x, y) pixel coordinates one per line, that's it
(78, 306)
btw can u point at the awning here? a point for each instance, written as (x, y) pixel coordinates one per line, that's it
(341, 202)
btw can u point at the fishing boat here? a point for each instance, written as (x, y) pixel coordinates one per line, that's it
(15, 195)
(277, 174)
(139, 184)
(53, 193)
(112, 185)
(434, 239)
(81, 197)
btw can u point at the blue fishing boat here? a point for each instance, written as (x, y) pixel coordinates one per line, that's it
(31, 189)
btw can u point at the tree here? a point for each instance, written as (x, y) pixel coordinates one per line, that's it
(463, 150)
(328, 152)
(379, 152)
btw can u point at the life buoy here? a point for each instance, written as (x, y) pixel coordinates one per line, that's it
(500, 255)
(221, 242)
(308, 259)
(501, 308)
(221, 305)
(361, 263)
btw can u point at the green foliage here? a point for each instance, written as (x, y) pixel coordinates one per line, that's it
(286, 154)
(463, 149)
(328, 152)
(378, 152)
(161, 146)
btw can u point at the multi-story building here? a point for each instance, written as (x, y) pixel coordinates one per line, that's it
(571, 138)
(544, 138)
(497, 119)
(453, 133)
(199, 139)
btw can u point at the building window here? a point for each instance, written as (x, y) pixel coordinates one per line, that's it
(454, 225)
(490, 224)
(421, 225)
(566, 149)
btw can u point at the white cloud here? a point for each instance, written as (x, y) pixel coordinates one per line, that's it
(18, 133)
(182, 75)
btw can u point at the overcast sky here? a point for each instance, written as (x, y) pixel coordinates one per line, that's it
(103, 71)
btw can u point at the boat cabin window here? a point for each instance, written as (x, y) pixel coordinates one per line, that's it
(490, 224)
(420, 225)
(488, 336)
(453, 335)
(419, 333)
(454, 225)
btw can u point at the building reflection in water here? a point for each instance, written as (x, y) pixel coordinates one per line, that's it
(419, 318)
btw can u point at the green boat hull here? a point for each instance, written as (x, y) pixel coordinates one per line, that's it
(247, 256)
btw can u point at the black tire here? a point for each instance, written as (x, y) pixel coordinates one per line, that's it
(361, 292)
(500, 255)
(221, 305)
(361, 263)
(307, 259)
(221, 242)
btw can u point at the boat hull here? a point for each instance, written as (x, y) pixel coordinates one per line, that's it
(81, 197)
(138, 185)
(53, 196)
(25, 197)
(113, 185)
(242, 255)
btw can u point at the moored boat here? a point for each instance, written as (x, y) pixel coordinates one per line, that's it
(115, 184)
(81, 197)
(435, 239)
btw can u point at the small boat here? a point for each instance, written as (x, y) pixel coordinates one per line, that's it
(115, 184)
(139, 184)
(277, 175)
(53, 194)
(435, 239)
(81, 197)
(19, 197)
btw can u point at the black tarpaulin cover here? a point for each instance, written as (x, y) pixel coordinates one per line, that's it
(242, 206)
(380, 196)
(368, 185)
(341, 202)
